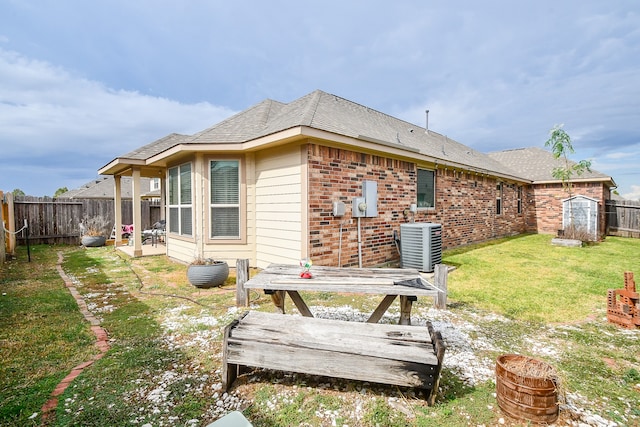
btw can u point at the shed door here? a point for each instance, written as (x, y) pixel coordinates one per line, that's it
(585, 215)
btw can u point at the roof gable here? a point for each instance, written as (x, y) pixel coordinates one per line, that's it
(331, 113)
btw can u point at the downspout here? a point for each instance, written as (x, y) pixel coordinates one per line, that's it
(359, 245)
(340, 247)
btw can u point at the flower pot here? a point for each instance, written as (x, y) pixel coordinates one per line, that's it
(526, 389)
(93, 241)
(208, 275)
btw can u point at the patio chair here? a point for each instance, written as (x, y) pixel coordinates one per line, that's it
(156, 232)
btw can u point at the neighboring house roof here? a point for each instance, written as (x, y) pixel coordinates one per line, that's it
(537, 165)
(103, 188)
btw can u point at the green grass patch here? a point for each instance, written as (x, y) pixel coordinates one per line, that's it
(521, 295)
(42, 334)
(527, 278)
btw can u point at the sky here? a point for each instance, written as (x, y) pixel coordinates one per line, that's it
(83, 82)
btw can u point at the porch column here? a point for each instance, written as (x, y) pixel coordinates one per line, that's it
(137, 215)
(117, 179)
(197, 201)
(163, 197)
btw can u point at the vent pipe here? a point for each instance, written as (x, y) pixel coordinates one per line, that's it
(426, 128)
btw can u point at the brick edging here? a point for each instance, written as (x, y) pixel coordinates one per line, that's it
(102, 343)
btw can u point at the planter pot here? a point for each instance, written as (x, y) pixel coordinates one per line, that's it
(526, 389)
(93, 241)
(209, 275)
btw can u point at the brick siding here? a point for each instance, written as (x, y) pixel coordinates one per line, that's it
(465, 206)
(548, 204)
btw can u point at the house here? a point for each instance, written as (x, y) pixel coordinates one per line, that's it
(548, 194)
(269, 184)
(103, 188)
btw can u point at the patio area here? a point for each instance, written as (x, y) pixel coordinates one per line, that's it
(147, 250)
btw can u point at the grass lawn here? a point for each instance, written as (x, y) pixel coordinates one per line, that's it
(526, 278)
(517, 295)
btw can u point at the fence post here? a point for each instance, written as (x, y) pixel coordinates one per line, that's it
(3, 243)
(440, 279)
(242, 276)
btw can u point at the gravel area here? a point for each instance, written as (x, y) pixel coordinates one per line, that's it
(463, 358)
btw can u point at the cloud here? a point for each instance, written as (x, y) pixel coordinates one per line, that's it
(634, 194)
(48, 116)
(93, 81)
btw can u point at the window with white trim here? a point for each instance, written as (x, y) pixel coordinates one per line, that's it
(499, 198)
(154, 184)
(180, 200)
(519, 199)
(224, 196)
(426, 189)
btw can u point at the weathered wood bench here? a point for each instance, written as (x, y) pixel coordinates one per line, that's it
(401, 355)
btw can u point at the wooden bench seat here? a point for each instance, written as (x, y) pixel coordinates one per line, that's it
(401, 355)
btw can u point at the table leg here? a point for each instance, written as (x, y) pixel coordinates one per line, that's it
(405, 309)
(380, 310)
(300, 304)
(278, 300)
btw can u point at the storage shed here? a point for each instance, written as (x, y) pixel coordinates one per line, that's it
(582, 212)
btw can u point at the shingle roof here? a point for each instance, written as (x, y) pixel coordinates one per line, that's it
(155, 147)
(331, 113)
(537, 164)
(103, 188)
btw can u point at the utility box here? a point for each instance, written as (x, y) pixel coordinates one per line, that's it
(339, 208)
(359, 207)
(421, 245)
(370, 193)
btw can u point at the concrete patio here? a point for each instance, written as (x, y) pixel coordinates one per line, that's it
(147, 250)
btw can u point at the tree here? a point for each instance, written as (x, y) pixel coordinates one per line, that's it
(560, 143)
(60, 191)
(18, 192)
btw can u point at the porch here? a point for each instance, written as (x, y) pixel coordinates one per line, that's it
(147, 250)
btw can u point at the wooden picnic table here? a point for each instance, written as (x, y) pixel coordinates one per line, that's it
(278, 280)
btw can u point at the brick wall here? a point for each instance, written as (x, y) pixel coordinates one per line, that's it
(465, 206)
(548, 204)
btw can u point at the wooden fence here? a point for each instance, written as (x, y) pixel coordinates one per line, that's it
(623, 218)
(55, 221)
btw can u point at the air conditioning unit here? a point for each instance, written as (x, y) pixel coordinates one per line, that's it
(421, 245)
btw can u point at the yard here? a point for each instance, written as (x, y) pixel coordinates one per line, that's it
(518, 295)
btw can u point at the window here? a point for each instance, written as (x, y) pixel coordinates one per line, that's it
(426, 189)
(519, 200)
(225, 199)
(180, 208)
(499, 198)
(154, 184)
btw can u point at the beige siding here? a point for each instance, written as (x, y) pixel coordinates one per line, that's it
(278, 209)
(180, 249)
